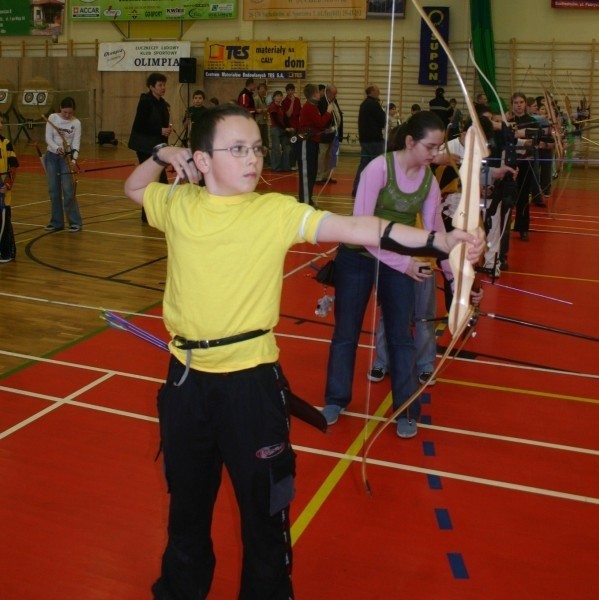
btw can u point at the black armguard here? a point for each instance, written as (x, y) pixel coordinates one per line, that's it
(388, 244)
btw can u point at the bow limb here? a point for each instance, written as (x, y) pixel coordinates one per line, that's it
(67, 152)
(375, 436)
(40, 156)
(467, 218)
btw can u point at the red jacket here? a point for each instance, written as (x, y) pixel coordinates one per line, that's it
(312, 123)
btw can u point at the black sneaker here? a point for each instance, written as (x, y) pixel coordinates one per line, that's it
(52, 228)
(424, 377)
(376, 374)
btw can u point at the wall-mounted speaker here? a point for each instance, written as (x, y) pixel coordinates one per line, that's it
(187, 70)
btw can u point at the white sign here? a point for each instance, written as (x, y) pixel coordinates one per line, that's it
(142, 56)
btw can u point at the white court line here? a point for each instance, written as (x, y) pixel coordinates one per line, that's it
(489, 436)
(64, 363)
(57, 404)
(337, 455)
(563, 232)
(107, 373)
(72, 305)
(456, 476)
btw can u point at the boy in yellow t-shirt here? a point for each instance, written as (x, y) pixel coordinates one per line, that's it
(8, 169)
(225, 401)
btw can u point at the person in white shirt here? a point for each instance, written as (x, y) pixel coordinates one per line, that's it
(63, 139)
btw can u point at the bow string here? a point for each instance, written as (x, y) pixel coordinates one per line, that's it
(466, 218)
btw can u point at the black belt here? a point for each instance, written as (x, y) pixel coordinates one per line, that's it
(183, 344)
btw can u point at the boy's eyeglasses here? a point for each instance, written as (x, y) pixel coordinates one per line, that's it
(242, 151)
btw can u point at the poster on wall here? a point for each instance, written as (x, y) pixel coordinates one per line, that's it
(272, 10)
(261, 60)
(31, 17)
(151, 10)
(588, 4)
(433, 59)
(386, 8)
(142, 56)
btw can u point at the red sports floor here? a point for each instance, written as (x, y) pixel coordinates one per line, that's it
(497, 497)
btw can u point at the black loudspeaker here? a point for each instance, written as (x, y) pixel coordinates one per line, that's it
(107, 137)
(187, 70)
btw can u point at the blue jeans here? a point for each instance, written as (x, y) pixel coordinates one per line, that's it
(59, 187)
(280, 149)
(424, 332)
(354, 281)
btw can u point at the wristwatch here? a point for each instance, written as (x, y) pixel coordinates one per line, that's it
(155, 151)
(430, 240)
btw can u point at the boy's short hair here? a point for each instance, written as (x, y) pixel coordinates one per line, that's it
(309, 90)
(289, 86)
(202, 132)
(277, 93)
(199, 93)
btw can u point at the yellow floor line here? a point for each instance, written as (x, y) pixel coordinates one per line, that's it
(333, 478)
(354, 450)
(502, 388)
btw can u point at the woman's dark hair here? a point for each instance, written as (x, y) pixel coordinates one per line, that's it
(417, 127)
(202, 132)
(68, 102)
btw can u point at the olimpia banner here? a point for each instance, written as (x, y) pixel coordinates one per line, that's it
(142, 56)
(263, 60)
(151, 10)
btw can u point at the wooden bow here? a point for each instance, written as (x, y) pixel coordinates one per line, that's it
(467, 218)
(67, 152)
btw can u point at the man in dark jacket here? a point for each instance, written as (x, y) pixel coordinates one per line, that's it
(372, 122)
(151, 125)
(440, 106)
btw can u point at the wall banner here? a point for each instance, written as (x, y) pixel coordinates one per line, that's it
(261, 60)
(24, 17)
(433, 60)
(272, 10)
(142, 56)
(151, 10)
(586, 4)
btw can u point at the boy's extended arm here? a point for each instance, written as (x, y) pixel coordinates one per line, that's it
(368, 231)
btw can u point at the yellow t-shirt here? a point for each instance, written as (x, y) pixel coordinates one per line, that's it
(225, 267)
(8, 160)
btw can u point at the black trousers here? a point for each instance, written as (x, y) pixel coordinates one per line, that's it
(241, 420)
(307, 167)
(8, 248)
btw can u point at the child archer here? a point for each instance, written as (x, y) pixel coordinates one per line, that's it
(224, 401)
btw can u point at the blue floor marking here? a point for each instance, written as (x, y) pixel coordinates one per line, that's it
(428, 448)
(458, 567)
(434, 482)
(443, 518)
